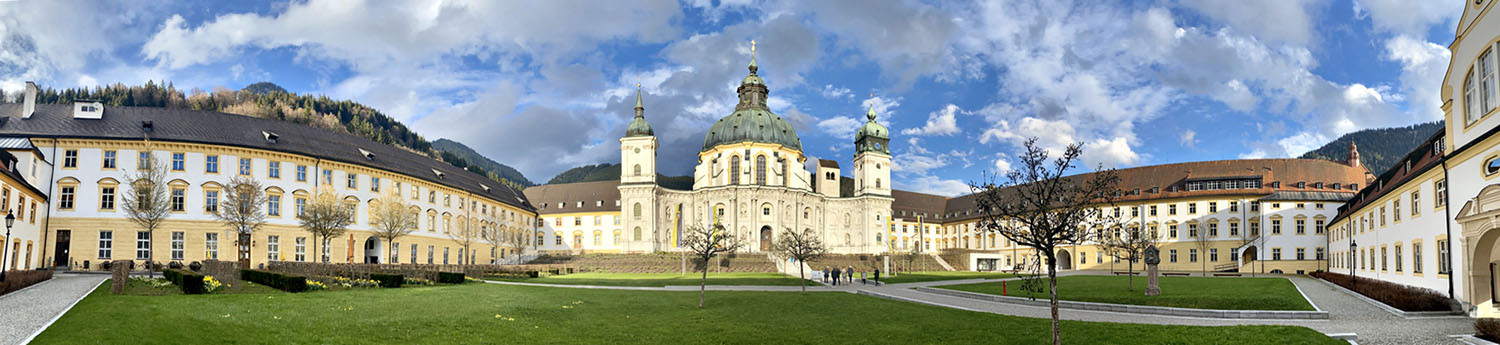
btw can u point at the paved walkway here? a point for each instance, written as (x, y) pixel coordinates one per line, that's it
(34, 307)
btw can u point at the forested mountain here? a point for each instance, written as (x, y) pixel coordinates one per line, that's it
(267, 100)
(464, 157)
(608, 172)
(1379, 148)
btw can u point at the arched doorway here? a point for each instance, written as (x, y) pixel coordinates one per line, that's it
(372, 250)
(1064, 260)
(765, 238)
(1248, 255)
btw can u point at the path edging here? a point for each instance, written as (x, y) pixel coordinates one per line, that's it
(1472, 340)
(1389, 309)
(59, 315)
(1138, 309)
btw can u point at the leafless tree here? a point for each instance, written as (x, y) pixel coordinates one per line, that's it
(1131, 247)
(1202, 239)
(326, 216)
(704, 243)
(910, 256)
(392, 218)
(148, 204)
(1036, 206)
(801, 246)
(243, 210)
(465, 236)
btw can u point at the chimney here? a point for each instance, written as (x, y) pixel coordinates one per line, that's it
(29, 100)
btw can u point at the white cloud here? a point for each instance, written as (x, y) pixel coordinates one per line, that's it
(840, 126)
(1423, 66)
(1188, 139)
(934, 185)
(884, 107)
(1293, 21)
(829, 91)
(1113, 153)
(1407, 17)
(941, 122)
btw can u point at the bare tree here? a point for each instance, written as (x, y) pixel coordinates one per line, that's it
(803, 247)
(705, 243)
(243, 210)
(465, 236)
(1036, 206)
(1131, 247)
(326, 216)
(148, 204)
(391, 219)
(910, 256)
(1202, 239)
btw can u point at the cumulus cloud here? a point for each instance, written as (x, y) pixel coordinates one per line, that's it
(941, 122)
(1405, 17)
(1188, 139)
(829, 91)
(1293, 18)
(1423, 66)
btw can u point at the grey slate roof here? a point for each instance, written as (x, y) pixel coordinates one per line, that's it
(597, 196)
(215, 128)
(1308, 196)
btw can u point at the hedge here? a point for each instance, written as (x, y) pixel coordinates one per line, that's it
(279, 281)
(16, 280)
(1487, 328)
(1406, 298)
(388, 280)
(450, 278)
(191, 283)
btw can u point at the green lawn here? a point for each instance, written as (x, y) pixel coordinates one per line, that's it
(914, 277)
(660, 279)
(1181, 292)
(493, 313)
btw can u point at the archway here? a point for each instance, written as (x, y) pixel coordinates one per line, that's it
(765, 238)
(1064, 260)
(1484, 249)
(372, 250)
(1248, 255)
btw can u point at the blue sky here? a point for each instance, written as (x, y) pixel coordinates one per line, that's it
(545, 86)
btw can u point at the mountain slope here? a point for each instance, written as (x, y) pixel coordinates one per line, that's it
(455, 152)
(608, 172)
(1379, 148)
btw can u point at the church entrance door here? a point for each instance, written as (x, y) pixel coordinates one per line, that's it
(765, 238)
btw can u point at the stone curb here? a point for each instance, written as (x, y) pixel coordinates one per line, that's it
(1472, 340)
(1383, 306)
(63, 312)
(1137, 309)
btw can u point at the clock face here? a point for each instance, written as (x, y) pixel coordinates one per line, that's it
(877, 146)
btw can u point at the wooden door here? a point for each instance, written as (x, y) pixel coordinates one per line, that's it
(61, 253)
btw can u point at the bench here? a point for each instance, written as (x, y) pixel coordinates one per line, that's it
(1177, 274)
(1124, 273)
(1226, 274)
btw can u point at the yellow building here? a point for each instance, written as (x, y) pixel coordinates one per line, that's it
(21, 245)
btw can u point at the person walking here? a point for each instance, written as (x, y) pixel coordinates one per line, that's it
(862, 280)
(825, 274)
(849, 273)
(877, 277)
(835, 278)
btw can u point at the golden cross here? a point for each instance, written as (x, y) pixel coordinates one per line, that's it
(752, 46)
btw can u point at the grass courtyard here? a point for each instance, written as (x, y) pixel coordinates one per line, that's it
(660, 279)
(914, 277)
(492, 313)
(1181, 292)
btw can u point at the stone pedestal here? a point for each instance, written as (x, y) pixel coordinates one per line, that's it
(1152, 288)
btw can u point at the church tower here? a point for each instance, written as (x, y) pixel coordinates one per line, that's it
(638, 148)
(638, 182)
(872, 158)
(1353, 159)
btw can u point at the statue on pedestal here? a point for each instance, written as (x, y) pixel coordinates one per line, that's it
(1153, 257)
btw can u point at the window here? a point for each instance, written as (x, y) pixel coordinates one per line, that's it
(1275, 226)
(1151, 211)
(1444, 265)
(1172, 255)
(1416, 203)
(1213, 254)
(1440, 194)
(70, 158)
(1254, 206)
(1192, 208)
(106, 244)
(245, 166)
(109, 159)
(1172, 210)
(1234, 228)
(211, 164)
(1486, 82)
(273, 169)
(1318, 206)
(1383, 261)
(328, 177)
(430, 250)
(1396, 209)
(1301, 226)
(1192, 255)
(1398, 257)
(734, 170)
(142, 245)
(1471, 103)
(1254, 228)
(578, 221)
(1234, 206)
(211, 201)
(273, 248)
(1276, 254)
(1172, 230)
(178, 199)
(177, 238)
(66, 200)
(1192, 229)
(1213, 207)
(301, 174)
(351, 180)
(300, 251)
(211, 245)
(1213, 229)
(598, 238)
(375, 184)
(413, 254)
(1319, 227)
(179, 161)
(1382, 215)
(107, 198)
(273, 205)
(636, 211)
(1301, 253)
(1319, 252)
(301, 206)
(1416, 257)
(557, 240)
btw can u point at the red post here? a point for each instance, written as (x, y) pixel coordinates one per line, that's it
(1003, 291)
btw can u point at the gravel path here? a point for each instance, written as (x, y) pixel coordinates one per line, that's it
(32, 308)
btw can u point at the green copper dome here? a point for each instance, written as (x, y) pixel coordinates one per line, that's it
(639, 127)
(752, 120)
(872, 137)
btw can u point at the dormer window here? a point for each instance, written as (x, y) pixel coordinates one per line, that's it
(486, 188)
(368, 155)
(440, 175)
(270, 137)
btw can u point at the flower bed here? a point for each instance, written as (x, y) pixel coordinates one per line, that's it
(1406, 298)
(16, 280)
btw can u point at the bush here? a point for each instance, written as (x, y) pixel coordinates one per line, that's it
(533, 274)
(279, 281)
(388, 280)
(1406, 298)
(16, 280)
(1487, 328)
(190, 283)
(450, 278)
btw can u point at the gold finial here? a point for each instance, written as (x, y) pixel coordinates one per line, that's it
(752, 46)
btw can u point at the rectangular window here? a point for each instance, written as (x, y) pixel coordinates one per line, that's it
(1172, 230)
(1172, 210)
(1192, 255)
(1319, 227)
(1234, 206)
(301, 250)
(1444, 264)
(1301, 253)
(328, 177)
(177, 246)
(107, 198)
(143, 161)
(211, 246)
(1172, 255)
(301, 173)
(430, 253)
(179, 161)
(1440, 194)
(1213, 229)
(375, 184)
(1213, 207)
(106, 244)
(1487, 81)
(273, 169)
(1276, 254)
(273, 205)
(211, 201)
(1192, 208)
(351, 180)
(65, 201)
(70, 158)
(1193, 230)
(301, 205)
(179, 202)
(1416, 257)
(413, 254)
(245, 166)
(1275, 226)
(1398, 257)
(109, 159)
(1213, 254)
(1234, 228)
(211, 164)
(273, 248)
(1151, 210)
(1319, 253)
(1383, 260)
(1301, 226)
(142, 245)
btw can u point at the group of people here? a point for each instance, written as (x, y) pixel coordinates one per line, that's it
(846, 275)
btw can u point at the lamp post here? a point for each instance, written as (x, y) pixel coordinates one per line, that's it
(10, 219)
(1351, 263)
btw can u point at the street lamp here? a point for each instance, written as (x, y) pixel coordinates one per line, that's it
(10, 219)
(1351, 264)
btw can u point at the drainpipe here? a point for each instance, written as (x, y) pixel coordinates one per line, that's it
(47, 222)
(1448, 227)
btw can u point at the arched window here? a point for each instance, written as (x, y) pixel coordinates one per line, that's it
(877, 182)
(760, 170)
(637, 210)
(637, 170)
(734, 170)
(637, 233)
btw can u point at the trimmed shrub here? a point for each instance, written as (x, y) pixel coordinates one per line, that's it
(275, 280)
(388, 280)
(16, 280)
(191, 283)
(1487, 328)
(553, 271)
(533, 274)
(1406, 298)
(450, 278)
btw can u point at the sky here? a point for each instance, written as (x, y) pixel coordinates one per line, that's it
(544, 86)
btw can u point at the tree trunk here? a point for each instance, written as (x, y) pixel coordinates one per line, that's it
(1052, 281)
(703, 284)
(392, 252)
(1130, 270)
(802, 277)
